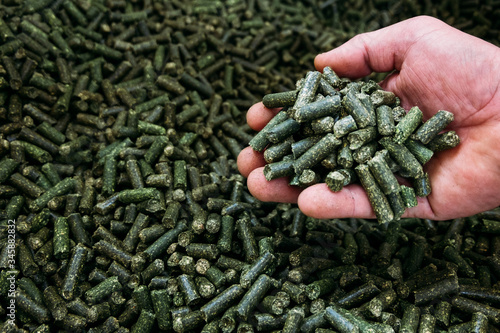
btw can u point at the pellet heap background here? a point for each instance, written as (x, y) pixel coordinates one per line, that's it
(120, 124)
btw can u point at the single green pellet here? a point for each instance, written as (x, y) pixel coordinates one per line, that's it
(385, 120)
(26, 186)
(144, 323)
(383, 174)
(339, 321)
(403, 157)
(328, 106)
(253, 296)
(260, 140)
(398, 206)
(283, 130)
(331, 77)
(216, 276)
(407, 125)
(281, 99)
(188, 321)
(316, 153)
(113, 252)
(51, 173)
(221, 302)
(314, 321)
(201, 250)
(365, 152)
(188, 288)
(422, 186)
(378, 200)
(409, 196)
(433, 126)
(61, 188)
(109, 175)
(308, 90)
(161, 304)
(279, 169)
(427, 323)
(130, 241)
(55, 303)
(247, 237)
(410, 320)
(442, 314)
(443, 141)
(469, 306)
(300, 147)
(249, 275)
(361, 137)
(436, 290)
(180, 174)
(479, 323)
(77, 229)
(335, 181)
(364, 115)
(422, 153)
(103, 289)
(137, 195)
(322, 125)
(162, 243)
(61, 238)
(294, 320)
(345, 158)
(319, 288)
(226, 234)
(133, 172)
(35, 152)
(277, 151)
(35, 310)
(7, 167)
(28, 286)
(359, 295)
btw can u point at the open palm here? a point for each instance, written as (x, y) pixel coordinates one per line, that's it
(436, 67)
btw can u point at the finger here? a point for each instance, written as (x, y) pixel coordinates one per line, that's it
(248, 160)
(276, 190)
(258, 116)
(382, 50)
(320, 202)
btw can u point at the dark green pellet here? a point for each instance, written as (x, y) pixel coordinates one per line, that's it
(422, 153)
(144, 323)
(247, 237)
(409, 196)
(55, 303)
(377, 198)
(253, 296)
(328, 106)
(339, 321)
(433, 126)
(422, 186)
(283, 130)
(406, 160)
(407, 125)
(276, 100)
(444, 141)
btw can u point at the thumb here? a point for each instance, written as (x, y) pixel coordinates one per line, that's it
(319, 202)
(382, 50)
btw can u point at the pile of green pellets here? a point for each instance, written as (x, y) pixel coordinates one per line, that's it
(335, 131)
(121, 206)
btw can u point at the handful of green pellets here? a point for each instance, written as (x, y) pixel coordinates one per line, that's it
(341, 132)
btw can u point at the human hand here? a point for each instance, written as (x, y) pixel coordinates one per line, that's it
(436, 67)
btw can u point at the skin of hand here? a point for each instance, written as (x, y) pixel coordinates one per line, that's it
(435, 67)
